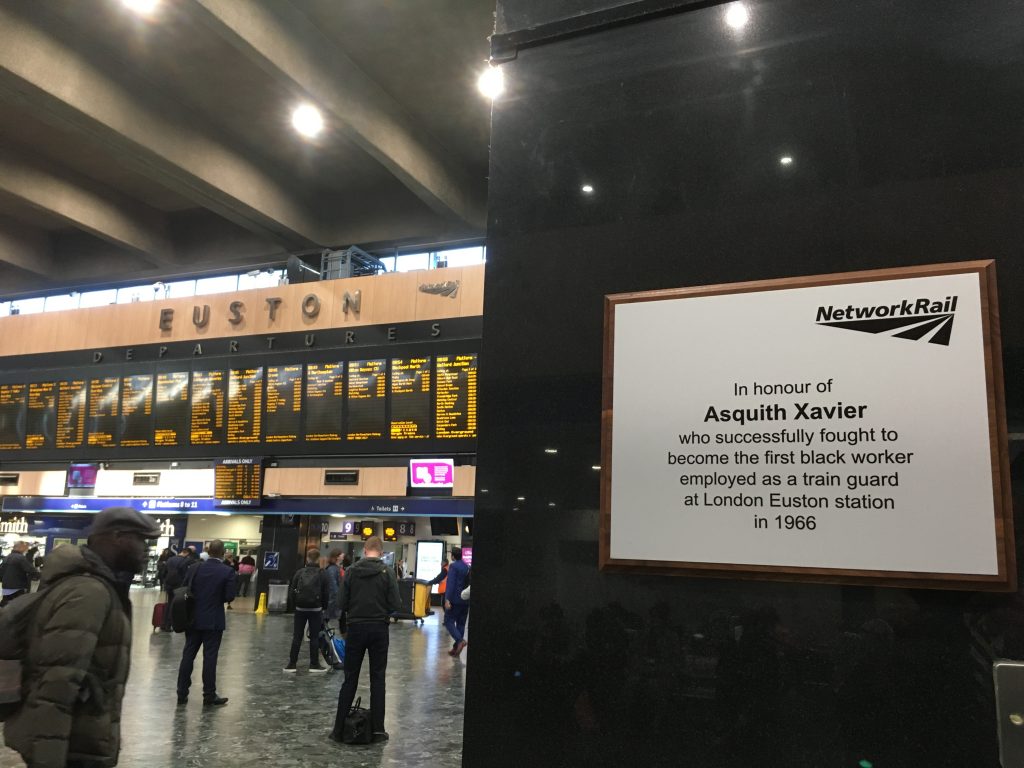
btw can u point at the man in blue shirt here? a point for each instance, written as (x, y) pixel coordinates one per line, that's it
(456, 609)
(213, 585)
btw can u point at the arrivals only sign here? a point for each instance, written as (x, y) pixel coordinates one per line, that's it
(847, 428)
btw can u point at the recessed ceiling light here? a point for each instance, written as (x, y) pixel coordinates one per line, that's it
(141, 7)
(337, 515)
(307, 120)
(520, 498)
(222, 514)
(596, 467)
(551, 503)
(737, 15)
(491, 82)
(550, 450)
(785, 160)
(587, 189)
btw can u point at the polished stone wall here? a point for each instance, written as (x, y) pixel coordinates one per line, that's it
(904, 124)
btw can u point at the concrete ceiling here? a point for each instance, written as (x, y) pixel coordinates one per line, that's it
(133, 148)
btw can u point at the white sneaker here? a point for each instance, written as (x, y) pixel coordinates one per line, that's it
(289, 668)
(318, 668)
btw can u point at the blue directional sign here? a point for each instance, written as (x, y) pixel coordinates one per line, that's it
(271, 561)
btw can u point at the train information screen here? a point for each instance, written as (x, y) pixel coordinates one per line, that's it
(40, 415)
(245, 406)
(136, 411)
(238, 482)
(456, 395)
(209, 393)
(171, 419)
(400, 403)
(325, 395)
(410, 398)
(367, 392)
(12, 404)
(71, 413)
(283, 415)
(104, 409)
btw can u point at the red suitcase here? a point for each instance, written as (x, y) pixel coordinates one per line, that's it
(158, 615)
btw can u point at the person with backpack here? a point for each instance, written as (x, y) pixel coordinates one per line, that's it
(310, 590)
(174, 576)
(18, 573)
(368, 598)
(246, 569)
(335, 573)
(74, 638)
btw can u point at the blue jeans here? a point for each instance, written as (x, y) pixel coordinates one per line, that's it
(455, 621)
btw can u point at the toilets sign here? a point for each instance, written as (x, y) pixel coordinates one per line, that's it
(845, 428)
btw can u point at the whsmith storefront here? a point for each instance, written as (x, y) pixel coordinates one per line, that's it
(300, 407)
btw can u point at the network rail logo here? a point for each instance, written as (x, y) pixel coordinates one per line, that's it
(915, 319)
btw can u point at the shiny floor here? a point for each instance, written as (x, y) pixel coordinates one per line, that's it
(279, 719)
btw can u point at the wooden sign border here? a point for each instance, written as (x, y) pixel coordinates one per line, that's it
(1006, 578)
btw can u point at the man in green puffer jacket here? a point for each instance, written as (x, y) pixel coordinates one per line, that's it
(79, 648)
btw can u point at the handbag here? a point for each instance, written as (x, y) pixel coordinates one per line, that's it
(357, 728)
(183, 603)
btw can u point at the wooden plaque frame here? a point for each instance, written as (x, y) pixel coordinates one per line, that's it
(1006, 578)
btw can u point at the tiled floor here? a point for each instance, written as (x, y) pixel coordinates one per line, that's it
(282, 720)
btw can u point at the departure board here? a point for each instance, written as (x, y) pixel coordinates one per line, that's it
(324, 397)
(456, 396)
(104, 408)
(41, 415)
(171, 422)
(410, 398)
(136, 411)
(12, 403)
(209, 393)
(367, 394)
(71, 413)
(245, 406)
(283, 413)
(238, 482)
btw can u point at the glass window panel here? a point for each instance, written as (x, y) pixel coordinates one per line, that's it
(389, 262)
(411, 261)
(463, 257)
(260, 280)
(29, 306)
(98, 298)
(134, 293)
(181, 289)
(64, 301)
(208, 285)
(5, 308)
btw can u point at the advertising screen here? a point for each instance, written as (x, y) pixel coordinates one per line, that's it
(429, 556)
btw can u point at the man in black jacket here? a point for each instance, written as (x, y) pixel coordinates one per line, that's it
(18, 573)
(311, 591)
(176, 568)
(368, 597)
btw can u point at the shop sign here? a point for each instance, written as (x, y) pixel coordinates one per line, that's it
(17, 525)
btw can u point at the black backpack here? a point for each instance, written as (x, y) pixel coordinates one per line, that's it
(308, 588)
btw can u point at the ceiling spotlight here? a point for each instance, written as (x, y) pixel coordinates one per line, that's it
(520, 498)
(587, 189)
(141, 7)
(491, 82)
(551, 503)
(307, 120)
(785, 160)
(596, 467)
(737, 15)
(550, 450)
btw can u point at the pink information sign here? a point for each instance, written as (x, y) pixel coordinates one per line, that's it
(432, 473)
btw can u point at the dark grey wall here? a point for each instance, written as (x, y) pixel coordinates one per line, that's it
(904, 122)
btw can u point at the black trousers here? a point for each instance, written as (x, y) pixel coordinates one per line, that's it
(313, 618)
(167, 611)
(209, 641)
(375, 638)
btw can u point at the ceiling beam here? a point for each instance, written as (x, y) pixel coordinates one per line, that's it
(159, 140)
(293, 50)
(26, 248)
(85, 206)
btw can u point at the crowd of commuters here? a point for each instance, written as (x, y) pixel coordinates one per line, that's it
(82, 609)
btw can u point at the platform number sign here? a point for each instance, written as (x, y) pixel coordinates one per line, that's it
(367, 529)
(406, 529)
(350, 527)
